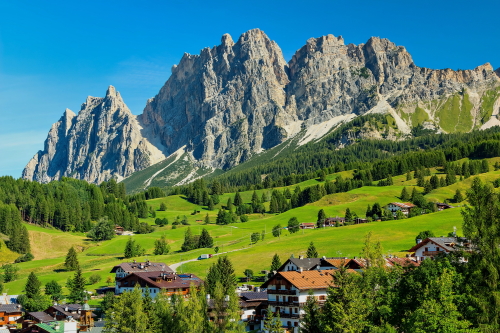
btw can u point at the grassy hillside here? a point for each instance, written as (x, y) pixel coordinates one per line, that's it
(50, 246)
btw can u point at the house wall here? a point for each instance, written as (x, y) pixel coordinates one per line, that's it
(428, 250)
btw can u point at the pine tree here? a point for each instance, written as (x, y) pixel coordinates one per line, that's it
(311, 323)
(222, 271)
(205, 240)
(128, 312)
(458, 197)
(276, 263)
(207, 219)
(237, 199)
(348, 215)
(129, 248)
(32, 287)
(321, 217)
(293, 225)
(272, 323)
(404, 195)
(76, 287)
(210, 204)
(71, 262)
(311, 251)
(189, 241)
(163, 207)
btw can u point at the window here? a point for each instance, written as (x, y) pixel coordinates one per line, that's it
(296, 324)
(295, 310)
(289, 323)
(322, 297)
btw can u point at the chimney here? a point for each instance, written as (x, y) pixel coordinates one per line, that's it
(324, 257)
(301, 257)
(300, 269)
(135, 261)
(257, 289)
(419, 241)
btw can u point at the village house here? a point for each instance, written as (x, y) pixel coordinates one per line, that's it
(167, 283)
(80, 315)
(252, 303)
(435, 246)
(443, 206)
(405, 207)
(333, 221)
(288, 292)
(295, 264)
(9, 314)
(127, 268)
(307, 225)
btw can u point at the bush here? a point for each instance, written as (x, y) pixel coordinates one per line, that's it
(244, 218)
(25, 257)
(94, 278)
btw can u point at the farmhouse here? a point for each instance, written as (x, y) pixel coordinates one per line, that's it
(300, 263)
(158, 283)
(307, 225)
(434, 246)
(403, 207)
(443, 206)
(332, 221)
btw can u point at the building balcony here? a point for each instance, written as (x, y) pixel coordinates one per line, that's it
(281, 292)
(275, 303)
(290, 315)
(431, 253)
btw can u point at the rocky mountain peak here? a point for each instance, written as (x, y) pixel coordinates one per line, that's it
(234, 100)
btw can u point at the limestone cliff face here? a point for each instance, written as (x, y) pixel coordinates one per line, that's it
(236, 99)
(103, 141)
(224, 104)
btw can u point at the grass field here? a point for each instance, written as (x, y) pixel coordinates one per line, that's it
(50, 246)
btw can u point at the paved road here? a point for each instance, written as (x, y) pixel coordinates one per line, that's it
(178, 264)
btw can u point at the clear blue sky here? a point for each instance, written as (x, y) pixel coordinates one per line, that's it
(55, 53)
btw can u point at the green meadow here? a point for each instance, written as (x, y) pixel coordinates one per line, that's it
(50, 246)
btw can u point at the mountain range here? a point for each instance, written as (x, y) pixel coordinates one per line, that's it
(232, 102)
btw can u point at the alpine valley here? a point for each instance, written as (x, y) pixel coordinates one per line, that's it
(241, 102)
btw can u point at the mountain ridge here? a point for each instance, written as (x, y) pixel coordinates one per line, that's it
(240, 98)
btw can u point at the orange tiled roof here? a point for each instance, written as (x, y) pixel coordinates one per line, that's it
(309, 279)
(338, 262)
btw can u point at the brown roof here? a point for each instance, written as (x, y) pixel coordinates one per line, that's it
(338, 263)
(403, 262)
(309, 279)
(131, 267)
(155, 280)
(403, 204)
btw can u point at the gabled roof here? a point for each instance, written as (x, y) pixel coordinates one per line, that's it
(306, 279)
(447, 243)
(338, 262)
(131, 267)
(51, 328)
(305, 263)
(150, 279)
(254, 296)
(403, 204)
(10, 308)
(41, 317)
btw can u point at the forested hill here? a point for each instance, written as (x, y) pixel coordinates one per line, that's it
(306, 162)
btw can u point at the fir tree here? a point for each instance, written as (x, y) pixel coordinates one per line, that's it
(71, 262)
(311, 323)
(321, 217)
(276, 263)
(189, 241)
(272, 323)
(293, 225)
(163, 207)
(207, 219)
(404, 195)
(237, 199)
(32, 287)
(76, 287)
(348, 215)
(458, 197)
(205, 240)
(311, 251)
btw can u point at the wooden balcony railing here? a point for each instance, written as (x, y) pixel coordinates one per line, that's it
(281, 292)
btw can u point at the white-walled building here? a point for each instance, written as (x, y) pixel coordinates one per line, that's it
(434, 246)
(404, 207)
(288, 291)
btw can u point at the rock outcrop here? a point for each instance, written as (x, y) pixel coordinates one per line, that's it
(103, 141)
(236, 99)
